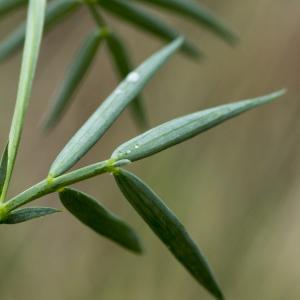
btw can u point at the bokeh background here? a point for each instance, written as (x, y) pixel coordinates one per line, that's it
(236, 187)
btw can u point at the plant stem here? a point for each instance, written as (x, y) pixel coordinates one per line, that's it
(50, 185)
(96, 15)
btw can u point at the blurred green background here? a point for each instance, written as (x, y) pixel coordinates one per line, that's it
(235, 187)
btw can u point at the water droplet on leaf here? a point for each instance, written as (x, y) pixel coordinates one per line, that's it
(133, 77)
(118, 91)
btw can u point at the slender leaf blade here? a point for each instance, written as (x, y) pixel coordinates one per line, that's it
(123, 65)
(183, 128)
(34, 30)
(168, 228)
(74, 76)
(110, 109)
(3, 168)
(101, 220)
(56, 11)
(27, 214)
(7, 6)
(12, 42)
(193, 10)
(147, 22)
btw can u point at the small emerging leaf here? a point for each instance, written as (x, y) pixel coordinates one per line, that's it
(26, 214)
(75, 74)
(183, 128)
(97, 217)
(167, 227)
(34, 31)
(123, 65)
(146, 21)
(6, 6)
(195, 11)
(56, 11)
(3, 168)
(109, 110)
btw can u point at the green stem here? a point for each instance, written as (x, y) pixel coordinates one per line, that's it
(51, 185)
(96, 15)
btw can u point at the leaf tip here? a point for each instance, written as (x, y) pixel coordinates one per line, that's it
(273, 96)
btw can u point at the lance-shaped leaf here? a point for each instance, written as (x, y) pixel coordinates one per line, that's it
(195, 11)
(183, 128)
(75, 74)
(56, 11)
(26, 214)
(109, 110)
(168, 228)
(6, 6)
(123, 65)
(94, 215)
(34, 30)
(3, 168)
(146, 21)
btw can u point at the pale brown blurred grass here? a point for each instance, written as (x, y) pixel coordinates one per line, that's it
(235, 187)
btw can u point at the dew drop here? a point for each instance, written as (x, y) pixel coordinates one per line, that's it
(133, 77)
(119, 92)
(128, 151)
(136, 146)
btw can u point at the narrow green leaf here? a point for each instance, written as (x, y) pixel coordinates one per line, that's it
(34, 30)
(167, 227)
(56, 11)
(110, 109)
(197, 12)
(146, 21)
(123, 65)
(26, 214)
(74, 76)
(94, 215)
(183, 128)
(13, 42)
(3, 168)
(7, 6)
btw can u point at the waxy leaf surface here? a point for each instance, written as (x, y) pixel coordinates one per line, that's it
(27, 214)
(168, 228)
(195, 11)
(123, 65)
(34, 31)
(183, 128)
(94, 215)
(146, 21)
(110, 109)
(75, 74)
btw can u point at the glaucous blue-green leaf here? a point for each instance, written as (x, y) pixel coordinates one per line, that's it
(183, 128)
(56, 11)
(168, 228)
(193, 10)
(27, 214)
(146, 21)
(6, 6)
(34, 31)
(123, 65)
(3, 168)
(110, 109)
(94, 215)
(74, 76)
